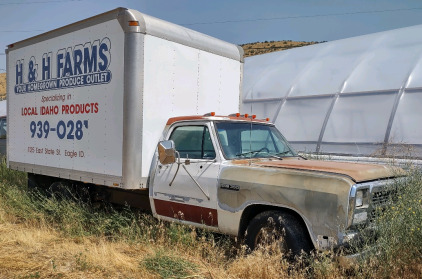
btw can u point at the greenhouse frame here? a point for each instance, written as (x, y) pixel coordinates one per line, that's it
(359, 96)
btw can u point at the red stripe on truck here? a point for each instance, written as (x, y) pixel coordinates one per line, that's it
(187, 212)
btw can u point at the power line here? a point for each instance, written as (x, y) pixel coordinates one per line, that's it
(37, 2)
(20, 31)
(298, 17)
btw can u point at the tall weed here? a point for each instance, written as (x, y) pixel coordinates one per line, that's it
(399, 229)
(398, 250)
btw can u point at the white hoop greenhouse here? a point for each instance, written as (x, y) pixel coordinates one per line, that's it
(360, 96)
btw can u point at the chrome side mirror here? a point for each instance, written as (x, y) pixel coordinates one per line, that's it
(166, 152)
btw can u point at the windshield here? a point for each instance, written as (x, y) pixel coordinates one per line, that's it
(252, 140)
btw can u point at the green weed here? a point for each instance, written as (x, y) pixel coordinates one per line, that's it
(168, 266)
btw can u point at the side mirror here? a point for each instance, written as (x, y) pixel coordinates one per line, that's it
(166, 152)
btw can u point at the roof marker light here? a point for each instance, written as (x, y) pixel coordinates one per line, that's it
(246, 115)
(237, 114)
(133, 23)
(210, 114)
(267, 119)
(253, 116)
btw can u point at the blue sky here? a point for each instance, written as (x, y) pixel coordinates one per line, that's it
(233, 21)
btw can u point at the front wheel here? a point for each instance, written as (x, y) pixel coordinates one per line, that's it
(275, 226)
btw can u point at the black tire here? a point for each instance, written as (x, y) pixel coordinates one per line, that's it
(32, 184)
(62, 191)
(270, 226)
(38, 182)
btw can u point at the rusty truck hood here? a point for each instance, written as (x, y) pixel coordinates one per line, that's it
(359, 172)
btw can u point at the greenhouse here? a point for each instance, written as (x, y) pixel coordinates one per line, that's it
(359, 96)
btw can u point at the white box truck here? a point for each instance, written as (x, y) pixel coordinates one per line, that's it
(100, 104)
(89, 101)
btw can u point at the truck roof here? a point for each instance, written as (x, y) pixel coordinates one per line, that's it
(147, 25)
(240, 118)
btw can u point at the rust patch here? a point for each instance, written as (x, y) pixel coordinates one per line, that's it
(216, 117)
(184, 118)
(359, 172)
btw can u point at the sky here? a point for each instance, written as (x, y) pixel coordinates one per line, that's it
(235, 21)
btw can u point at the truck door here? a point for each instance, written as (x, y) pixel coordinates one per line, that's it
(188, 193)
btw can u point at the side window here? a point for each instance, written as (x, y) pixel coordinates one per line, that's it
(3, 128)
(193, 142)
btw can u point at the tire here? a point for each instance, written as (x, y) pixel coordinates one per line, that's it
(270, 226)
(64, 190)
(61, 191)
(32, 185)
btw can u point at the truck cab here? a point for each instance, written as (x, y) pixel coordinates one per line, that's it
(238, 175)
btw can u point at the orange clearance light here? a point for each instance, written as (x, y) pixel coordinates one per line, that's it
(212, 113)
(253, 116)
(237, 114)
(246, 115)
(267, 119)
(133, 23)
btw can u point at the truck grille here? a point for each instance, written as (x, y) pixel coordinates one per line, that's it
(382, 197)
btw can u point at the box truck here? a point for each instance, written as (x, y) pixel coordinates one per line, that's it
(121, 104)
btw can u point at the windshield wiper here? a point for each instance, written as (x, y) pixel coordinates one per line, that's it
(282, 153)
(260, 150)
(249, 152)
(275, 156)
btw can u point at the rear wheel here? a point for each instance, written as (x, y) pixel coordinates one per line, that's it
(32, 183)
(271, 227)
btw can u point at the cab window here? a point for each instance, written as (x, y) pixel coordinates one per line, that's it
(193, 142)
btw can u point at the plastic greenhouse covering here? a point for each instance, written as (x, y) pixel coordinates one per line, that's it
(359, 96)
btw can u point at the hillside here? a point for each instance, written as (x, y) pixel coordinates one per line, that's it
(2, 86)
(257, 48)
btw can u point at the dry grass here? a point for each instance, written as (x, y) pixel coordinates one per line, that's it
(26, 252)
(2, 86)
(39, 240)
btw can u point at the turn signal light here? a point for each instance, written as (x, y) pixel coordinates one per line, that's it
(133, 23)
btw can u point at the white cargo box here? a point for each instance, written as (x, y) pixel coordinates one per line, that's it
(89, 101)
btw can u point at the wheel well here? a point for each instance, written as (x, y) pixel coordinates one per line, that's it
(41, 181)
(253, 210)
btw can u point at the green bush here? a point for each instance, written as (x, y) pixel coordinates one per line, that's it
(168, 266)
(399, 228)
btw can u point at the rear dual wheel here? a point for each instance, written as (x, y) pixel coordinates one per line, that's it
(280, 228)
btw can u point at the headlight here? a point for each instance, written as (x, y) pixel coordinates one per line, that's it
(362, 200)
(359, 199)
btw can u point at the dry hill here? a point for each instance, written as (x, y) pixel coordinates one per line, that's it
(2, 86)
(256, 48)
